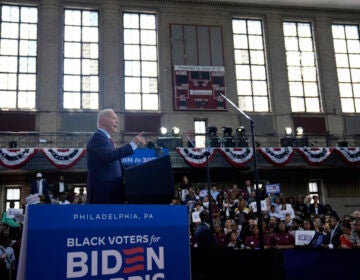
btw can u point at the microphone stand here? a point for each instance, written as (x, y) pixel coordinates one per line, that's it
(211, 223)
(256, 175)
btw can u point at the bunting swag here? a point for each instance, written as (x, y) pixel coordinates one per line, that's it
(195, 156)
(278, 156)
(237, 156)
(16, 158)
(64, 158)
(350, 155)
(315, 156)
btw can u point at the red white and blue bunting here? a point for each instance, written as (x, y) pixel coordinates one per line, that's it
(64, 158)
(197, 157)
(351, 155)
(315, 156)
(237, 156)
(16, 158)
(278, 156)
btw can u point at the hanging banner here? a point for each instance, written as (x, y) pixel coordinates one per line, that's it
(278, 156)
(198, 87)
(237, 156)
(351, 155)
(197, 157)
(105, 242)
(64, 158)
(16, 158)
(315, 156)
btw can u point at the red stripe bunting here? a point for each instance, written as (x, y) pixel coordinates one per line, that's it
(315, 156)
(16, 158)
(64, 158)
(197, 157)
(237, 156)
(278, 156)
(351, 155)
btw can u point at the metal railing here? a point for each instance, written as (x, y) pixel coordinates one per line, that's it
(26, 139)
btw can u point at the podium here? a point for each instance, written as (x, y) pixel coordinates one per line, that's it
(105, 242)
(150, 183)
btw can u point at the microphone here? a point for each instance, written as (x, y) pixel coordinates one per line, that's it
(158, 150)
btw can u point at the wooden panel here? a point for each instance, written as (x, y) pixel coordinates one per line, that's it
(17, 122)
(142, 122)
(177, 44)
(311, 125)
(204, 46)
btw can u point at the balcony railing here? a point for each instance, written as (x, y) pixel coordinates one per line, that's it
(35, 139)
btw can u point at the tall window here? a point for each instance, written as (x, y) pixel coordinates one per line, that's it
(140, 61)
(13, 194)
(347, 53)
(200, 133)
(81, 60)
(18, 45)
(250, 63)
(302, 67)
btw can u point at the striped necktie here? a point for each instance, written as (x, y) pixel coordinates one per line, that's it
(112, 141)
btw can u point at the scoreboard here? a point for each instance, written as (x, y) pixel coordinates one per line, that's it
(198, 87)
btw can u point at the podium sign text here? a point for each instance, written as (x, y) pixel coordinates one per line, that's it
(117, 242)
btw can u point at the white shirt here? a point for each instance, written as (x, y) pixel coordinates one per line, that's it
(61, 187)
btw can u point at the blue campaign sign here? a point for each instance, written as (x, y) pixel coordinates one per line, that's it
(117, 242)
(142, 155)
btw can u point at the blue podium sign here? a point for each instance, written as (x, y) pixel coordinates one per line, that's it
(117, 242)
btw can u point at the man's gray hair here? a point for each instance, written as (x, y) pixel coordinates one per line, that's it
(101, 114)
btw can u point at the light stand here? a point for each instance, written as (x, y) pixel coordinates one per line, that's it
(256, 175)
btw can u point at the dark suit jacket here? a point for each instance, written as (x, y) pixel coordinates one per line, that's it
(321, 209)
(105, 174)
(56, 188)
(34, 189)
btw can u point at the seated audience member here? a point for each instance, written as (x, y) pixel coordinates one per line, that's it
(233, 240)
(80, 198)
(328, 211)
(286, 208)
(355, 233)
(321, 235)
(335, 233)
(307, 225)
(282, 239)
(296, 224)
(300, 208)
(253, 241)
(345, 237)
(227, 226)
(316, 207)
(220, 237)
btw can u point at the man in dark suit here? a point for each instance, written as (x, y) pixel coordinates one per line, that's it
(105, 174)
(40, 186)
(60, 188)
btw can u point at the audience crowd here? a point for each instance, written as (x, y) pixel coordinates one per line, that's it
(224, 217)
(287, 221)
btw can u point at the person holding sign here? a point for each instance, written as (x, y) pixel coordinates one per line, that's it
(105, 173)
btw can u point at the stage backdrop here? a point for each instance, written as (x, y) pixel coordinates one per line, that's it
(198, 87)
(115, 242)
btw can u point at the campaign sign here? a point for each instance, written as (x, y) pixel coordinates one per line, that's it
(143, 155)
(117, 242)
